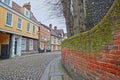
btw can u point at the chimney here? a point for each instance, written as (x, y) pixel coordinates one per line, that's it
(55, 28)
(50, 26)
(27, 6)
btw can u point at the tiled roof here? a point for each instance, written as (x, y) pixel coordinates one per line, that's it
(53, 33)
(45, 26)
(57, 32)
(32, 17)
(17, 8)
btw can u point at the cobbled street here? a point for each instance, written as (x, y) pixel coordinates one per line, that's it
(29, 67)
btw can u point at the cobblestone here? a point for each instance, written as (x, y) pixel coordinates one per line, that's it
(30, 67)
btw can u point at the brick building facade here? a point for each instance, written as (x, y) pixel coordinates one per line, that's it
(44, 39)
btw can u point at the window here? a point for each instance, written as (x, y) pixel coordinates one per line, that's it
(42, 46)
(19, 26)
(48, 46)
(58, 41)
(55, 40)
(45, 37)
(33, 29)
(41, 36)
(28, 27)
(23, 45)
(7, 2)
(30, 44)
(27, 13)
(9, 19)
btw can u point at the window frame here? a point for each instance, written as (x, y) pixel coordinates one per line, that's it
(27, 27)
(42, 46)
(34, 29)
(18, 23)
(9, 4)
(26, 10)
(30, 42)
(10, 20)
(23, 48)
(55, 40)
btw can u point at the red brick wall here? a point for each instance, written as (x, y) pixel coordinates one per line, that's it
(102, 66)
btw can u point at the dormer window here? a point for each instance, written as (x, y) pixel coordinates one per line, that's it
(27, 13)
(8, 2)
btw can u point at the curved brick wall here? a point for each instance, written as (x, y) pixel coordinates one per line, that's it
(104, 65)
(96, 10)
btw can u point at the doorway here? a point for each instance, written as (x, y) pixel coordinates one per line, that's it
(4, 45)
(16, 46)
(4, 51)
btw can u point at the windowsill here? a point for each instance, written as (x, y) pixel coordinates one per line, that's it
(19, 29)
(34, 33)
(28, 32)
(31, 50)
(8, 25)
(23, 50)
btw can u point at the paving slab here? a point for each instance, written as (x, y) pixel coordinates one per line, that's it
(55, 71)
(66, 77)
(56, 78)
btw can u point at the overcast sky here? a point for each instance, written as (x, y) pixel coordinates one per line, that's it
(42, 13)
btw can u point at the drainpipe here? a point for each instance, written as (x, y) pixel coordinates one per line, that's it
(50, 41)
(39, 40)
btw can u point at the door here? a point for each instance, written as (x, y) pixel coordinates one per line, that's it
(15, 50)
(4, 51)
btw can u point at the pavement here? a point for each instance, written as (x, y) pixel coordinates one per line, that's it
(55, 71)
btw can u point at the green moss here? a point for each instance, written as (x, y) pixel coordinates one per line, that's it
(99, 35)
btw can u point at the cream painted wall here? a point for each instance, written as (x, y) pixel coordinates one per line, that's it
(52, 43)
(14, 27)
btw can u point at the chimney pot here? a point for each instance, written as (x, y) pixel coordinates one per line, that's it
(27, 6)
(50, 26)
(55, 28)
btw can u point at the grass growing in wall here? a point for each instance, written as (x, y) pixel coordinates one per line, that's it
(98, 36)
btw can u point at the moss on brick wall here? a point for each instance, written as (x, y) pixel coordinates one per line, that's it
(99, 36)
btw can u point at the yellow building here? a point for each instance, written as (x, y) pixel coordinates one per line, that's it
(56, 38)
(18, 29)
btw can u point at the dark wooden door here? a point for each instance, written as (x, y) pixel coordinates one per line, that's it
(15, 50)
(5, 51)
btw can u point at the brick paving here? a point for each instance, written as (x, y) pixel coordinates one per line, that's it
(30, 67)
